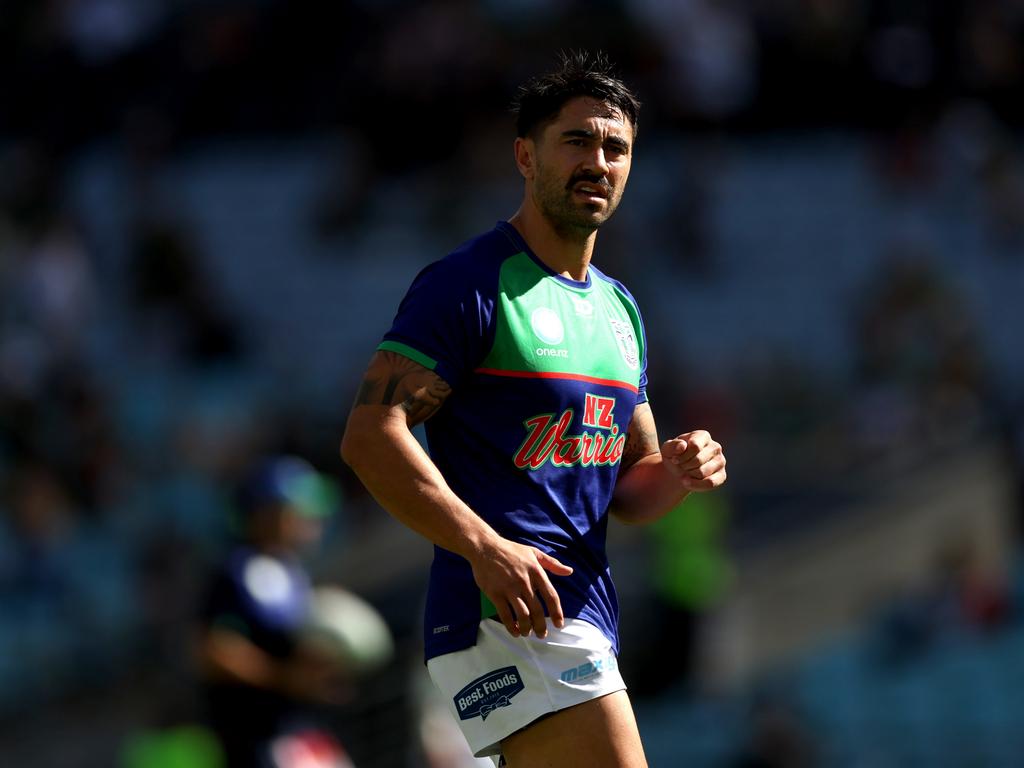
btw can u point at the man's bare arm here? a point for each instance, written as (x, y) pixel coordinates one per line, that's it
(395, 380)
(396, 394)
(654, 478)
(641, 438)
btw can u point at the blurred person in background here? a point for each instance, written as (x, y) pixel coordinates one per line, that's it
(529, 367)
(692, 573)
(263, 686)
(44, 526)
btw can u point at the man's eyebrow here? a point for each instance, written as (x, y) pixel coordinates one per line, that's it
(583, 133)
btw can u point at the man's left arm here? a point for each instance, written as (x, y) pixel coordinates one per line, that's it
(654, 478)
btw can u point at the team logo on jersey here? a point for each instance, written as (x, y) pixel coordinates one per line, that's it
(547, 325)
(547, 439)
(626, 339)
(488, 693)
(583, 306)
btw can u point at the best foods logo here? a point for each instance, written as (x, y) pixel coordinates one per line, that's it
(488, 693)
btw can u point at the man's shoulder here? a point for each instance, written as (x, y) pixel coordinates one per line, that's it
(488, 248)
(473, 264)
(598, 276)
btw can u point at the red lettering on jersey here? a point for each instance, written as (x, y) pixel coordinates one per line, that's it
(546, 440)
(597, 411)
(590, 447)
(607, 453)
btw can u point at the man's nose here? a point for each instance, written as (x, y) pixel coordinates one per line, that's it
(596, 162)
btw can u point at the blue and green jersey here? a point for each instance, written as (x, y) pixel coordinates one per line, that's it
(545, 373)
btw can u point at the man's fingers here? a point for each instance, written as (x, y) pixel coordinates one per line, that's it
(522, 615)
(521, 590)
(704, 484)
(674, 448)
(505, 614)
(547, 592)
(540, 624)
(703, 464)
(711, 467)
(550, 564)
(550, 598)
(672, 452)
(704, 457)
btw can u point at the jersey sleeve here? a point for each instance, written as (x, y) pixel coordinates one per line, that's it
(641, 392)
(633, 310)
(444, 321)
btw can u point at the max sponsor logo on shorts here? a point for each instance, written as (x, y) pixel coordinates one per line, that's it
(589, 669)
(488, 693)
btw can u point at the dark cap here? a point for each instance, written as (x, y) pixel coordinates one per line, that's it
(289, 480)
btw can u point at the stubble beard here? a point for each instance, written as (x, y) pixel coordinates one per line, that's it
(571, 220)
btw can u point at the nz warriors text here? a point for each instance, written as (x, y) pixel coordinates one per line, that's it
(547, 440)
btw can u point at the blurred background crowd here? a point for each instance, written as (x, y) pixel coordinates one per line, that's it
(209, 210)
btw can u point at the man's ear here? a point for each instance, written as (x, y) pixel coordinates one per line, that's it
(525, 152)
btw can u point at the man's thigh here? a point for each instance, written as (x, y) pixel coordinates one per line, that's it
(600, 733)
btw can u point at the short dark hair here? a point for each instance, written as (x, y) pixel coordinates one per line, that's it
(580, 73)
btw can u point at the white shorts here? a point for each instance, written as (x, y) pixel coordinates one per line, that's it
(504, 683)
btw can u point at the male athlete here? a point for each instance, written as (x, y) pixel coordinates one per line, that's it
(528, 365)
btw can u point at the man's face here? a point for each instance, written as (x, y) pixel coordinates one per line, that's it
(581, 163)
(282, 529)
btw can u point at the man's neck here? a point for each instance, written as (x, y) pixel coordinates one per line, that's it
(564, 254)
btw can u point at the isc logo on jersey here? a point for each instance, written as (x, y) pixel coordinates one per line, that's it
(548, 327)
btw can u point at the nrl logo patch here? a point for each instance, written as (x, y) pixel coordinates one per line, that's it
(627, 343)
(488, 693)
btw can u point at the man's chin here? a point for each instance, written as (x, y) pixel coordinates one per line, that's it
(581, 220)
(594, 219)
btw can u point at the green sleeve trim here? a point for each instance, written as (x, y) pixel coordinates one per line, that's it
(487, 608)
(406, 351)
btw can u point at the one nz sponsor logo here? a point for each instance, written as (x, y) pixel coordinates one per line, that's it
(547, 325)
(488, 693)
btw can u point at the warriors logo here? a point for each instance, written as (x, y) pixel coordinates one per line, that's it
(626, 339)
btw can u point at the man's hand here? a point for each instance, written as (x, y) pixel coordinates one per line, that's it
(514, 577)
(696, 460)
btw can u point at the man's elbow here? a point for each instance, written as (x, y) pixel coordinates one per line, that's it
(624, 514)
(363, 437)
(353, 446)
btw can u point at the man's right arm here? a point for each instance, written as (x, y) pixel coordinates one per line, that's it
(396, 394)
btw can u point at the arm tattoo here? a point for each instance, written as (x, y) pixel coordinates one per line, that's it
(641, 438)
(394, 379)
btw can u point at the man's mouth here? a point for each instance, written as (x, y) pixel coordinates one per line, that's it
(591, 190)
